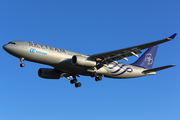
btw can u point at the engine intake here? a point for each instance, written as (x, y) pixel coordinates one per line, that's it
(83, 61)
(48, 73)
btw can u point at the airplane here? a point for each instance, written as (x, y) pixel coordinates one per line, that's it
(70, 64)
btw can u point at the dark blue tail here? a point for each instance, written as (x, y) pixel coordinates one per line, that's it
(147, 59)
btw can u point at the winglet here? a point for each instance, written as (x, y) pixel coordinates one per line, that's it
(172, 36)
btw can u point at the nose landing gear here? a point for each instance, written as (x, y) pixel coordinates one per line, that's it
(22, 62)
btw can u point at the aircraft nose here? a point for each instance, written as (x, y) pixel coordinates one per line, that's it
(5, 47)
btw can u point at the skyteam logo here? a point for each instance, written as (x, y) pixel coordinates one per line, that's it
(119, 68)
(149, 58)
(32, 50)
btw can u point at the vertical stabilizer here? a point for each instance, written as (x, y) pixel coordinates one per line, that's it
(147, 59)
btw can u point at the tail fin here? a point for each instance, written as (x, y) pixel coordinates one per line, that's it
(147, 59)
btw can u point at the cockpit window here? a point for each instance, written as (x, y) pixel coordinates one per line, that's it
(11, 43)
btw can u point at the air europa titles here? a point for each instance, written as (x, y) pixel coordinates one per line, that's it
(32, 50)
(31, 44)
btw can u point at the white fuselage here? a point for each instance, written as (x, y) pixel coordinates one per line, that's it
(61, 59)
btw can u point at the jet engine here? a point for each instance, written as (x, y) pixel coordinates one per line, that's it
(48, 73)
(83, 61)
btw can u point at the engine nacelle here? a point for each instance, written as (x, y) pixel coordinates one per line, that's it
(48, 73)
(83, 61)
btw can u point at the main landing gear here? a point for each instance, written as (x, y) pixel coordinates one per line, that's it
(74, 80)
(97, 78)
(22, 62)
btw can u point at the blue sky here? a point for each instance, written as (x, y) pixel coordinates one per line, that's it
(89, 27)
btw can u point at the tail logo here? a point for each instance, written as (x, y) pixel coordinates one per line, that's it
(149, 58)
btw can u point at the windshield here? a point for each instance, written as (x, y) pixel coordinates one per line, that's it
(11, 43)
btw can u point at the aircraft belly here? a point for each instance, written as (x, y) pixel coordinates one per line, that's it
(69, 68)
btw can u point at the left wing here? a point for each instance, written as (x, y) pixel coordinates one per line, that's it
(108, 57)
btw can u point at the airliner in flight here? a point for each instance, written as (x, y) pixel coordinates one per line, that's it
(70, 64)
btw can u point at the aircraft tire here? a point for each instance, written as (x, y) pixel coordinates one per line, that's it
(73, 81)
(22, 65)
(98, 78)
(77, 84)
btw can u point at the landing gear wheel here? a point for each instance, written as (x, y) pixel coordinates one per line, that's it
(22, 65)
(98, 78)
(77, 84)
(93, 74)
(73, 81)
(22, 62)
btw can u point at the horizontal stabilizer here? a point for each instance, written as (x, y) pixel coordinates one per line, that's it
(157, 69)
